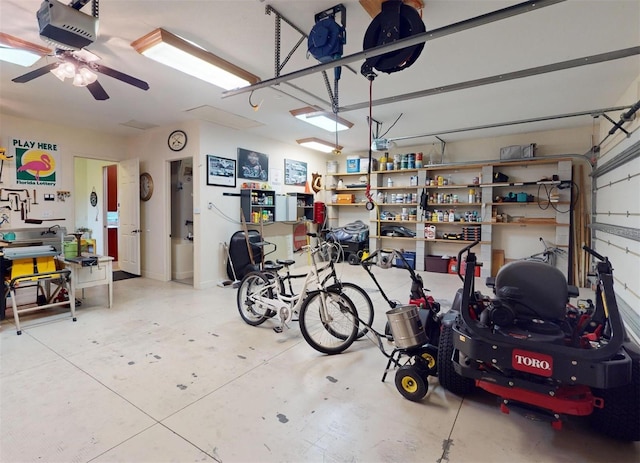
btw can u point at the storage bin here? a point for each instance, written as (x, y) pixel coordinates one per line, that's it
(70, 248)
(353, 165)
(410, 257)
(345, 198)
(436, 264)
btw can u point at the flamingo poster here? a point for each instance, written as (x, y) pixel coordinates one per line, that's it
(36, 162)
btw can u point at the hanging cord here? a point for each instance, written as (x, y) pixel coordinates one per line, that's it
(368, 191)
(394, 123)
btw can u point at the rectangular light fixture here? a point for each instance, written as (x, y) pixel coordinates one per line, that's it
(178, 53)
(323, 119)
(21, 52)
(319, 145)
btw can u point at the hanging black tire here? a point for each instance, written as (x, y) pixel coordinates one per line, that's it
(447, 375)
(411, 383)
(620, 417)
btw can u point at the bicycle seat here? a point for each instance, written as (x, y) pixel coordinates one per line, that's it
(271, 267)
(285, 262)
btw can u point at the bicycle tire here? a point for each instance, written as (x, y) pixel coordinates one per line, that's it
(328, 336)
(361, 301)
(254, 284)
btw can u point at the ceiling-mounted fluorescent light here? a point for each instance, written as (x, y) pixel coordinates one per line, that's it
(178, 53)
(323, 119)
(319, 145)
(20, 52)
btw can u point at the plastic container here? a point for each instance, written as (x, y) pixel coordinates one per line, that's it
(406, 327)
(436, 264)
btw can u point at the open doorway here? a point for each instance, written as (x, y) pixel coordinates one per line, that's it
(182, 221)
(110, 179)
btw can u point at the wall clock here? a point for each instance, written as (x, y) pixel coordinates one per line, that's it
(146, 186)
(177, 140)
(93, 198)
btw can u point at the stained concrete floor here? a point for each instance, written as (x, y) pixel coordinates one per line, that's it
(173, 374)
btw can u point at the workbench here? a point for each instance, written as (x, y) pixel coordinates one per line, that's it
(88, 271)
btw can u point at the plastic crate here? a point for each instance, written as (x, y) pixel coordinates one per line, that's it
(436, 264)
(410, 257)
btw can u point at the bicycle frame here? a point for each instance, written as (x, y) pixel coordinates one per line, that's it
(285, 305)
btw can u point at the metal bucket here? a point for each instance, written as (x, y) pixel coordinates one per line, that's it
(406, 327)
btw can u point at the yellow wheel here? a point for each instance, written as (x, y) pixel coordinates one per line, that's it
(411, 383)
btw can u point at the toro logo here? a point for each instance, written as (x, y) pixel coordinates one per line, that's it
(532, 362)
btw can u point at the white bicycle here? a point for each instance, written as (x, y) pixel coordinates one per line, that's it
(327, 317)
(549, 255)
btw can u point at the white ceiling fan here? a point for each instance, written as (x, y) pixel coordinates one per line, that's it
(69, 30)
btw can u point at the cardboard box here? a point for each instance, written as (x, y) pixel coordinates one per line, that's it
(364, 165)
(332, 167)
(353, 165)
(344, 198)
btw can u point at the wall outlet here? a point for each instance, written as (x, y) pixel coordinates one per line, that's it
(47, 214)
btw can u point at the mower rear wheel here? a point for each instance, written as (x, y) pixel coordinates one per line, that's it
(411, 383)
(620, 417)
(447, 375)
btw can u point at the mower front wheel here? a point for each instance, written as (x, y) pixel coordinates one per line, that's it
(411, 383)
(447, 375)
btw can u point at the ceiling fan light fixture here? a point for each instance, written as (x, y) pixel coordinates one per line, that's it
(84, 77)
(64, 71)
(322, 119)
(319, 145)
(178, 53)
(20, 52)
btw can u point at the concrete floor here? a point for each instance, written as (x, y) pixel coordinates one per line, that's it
(171, 374)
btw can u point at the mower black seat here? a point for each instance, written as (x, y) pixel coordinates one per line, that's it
(533, 289)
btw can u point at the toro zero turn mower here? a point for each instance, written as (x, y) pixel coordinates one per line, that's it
(541, 355)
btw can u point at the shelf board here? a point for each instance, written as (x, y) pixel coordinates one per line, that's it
(442, 240)
(404, 238)
(347, 189)
(345, 174)
(431, 222)
(528, 203)
(397, 204)
(395, 221)
(526, 224)
(452, 187)
(401, 187)
(398, 171)
(455, 204)
(346, 204)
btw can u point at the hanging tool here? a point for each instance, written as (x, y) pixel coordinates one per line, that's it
(246, 237)
(35, 201)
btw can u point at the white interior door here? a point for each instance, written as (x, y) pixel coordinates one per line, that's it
(129, 213)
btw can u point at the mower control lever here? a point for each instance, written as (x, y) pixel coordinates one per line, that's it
(593, 253)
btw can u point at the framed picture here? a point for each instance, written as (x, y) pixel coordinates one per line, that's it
(221, 171)
(253, 165)
(295, 172)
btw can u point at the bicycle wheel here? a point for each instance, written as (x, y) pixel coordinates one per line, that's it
(327, 321)
(361, 301)
(254, 285)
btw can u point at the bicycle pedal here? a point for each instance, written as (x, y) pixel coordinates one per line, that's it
(277, 329)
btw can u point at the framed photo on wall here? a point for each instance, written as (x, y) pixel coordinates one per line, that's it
(221, 171)
(295, 172)
(253, 165)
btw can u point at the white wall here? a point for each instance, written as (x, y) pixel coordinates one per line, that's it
(212, 226)
(71, 143)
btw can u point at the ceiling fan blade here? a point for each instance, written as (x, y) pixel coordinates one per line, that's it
(35, 73)
(121, 76)
(98, 91)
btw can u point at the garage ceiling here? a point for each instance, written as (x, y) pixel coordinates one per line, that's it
(242, 33)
